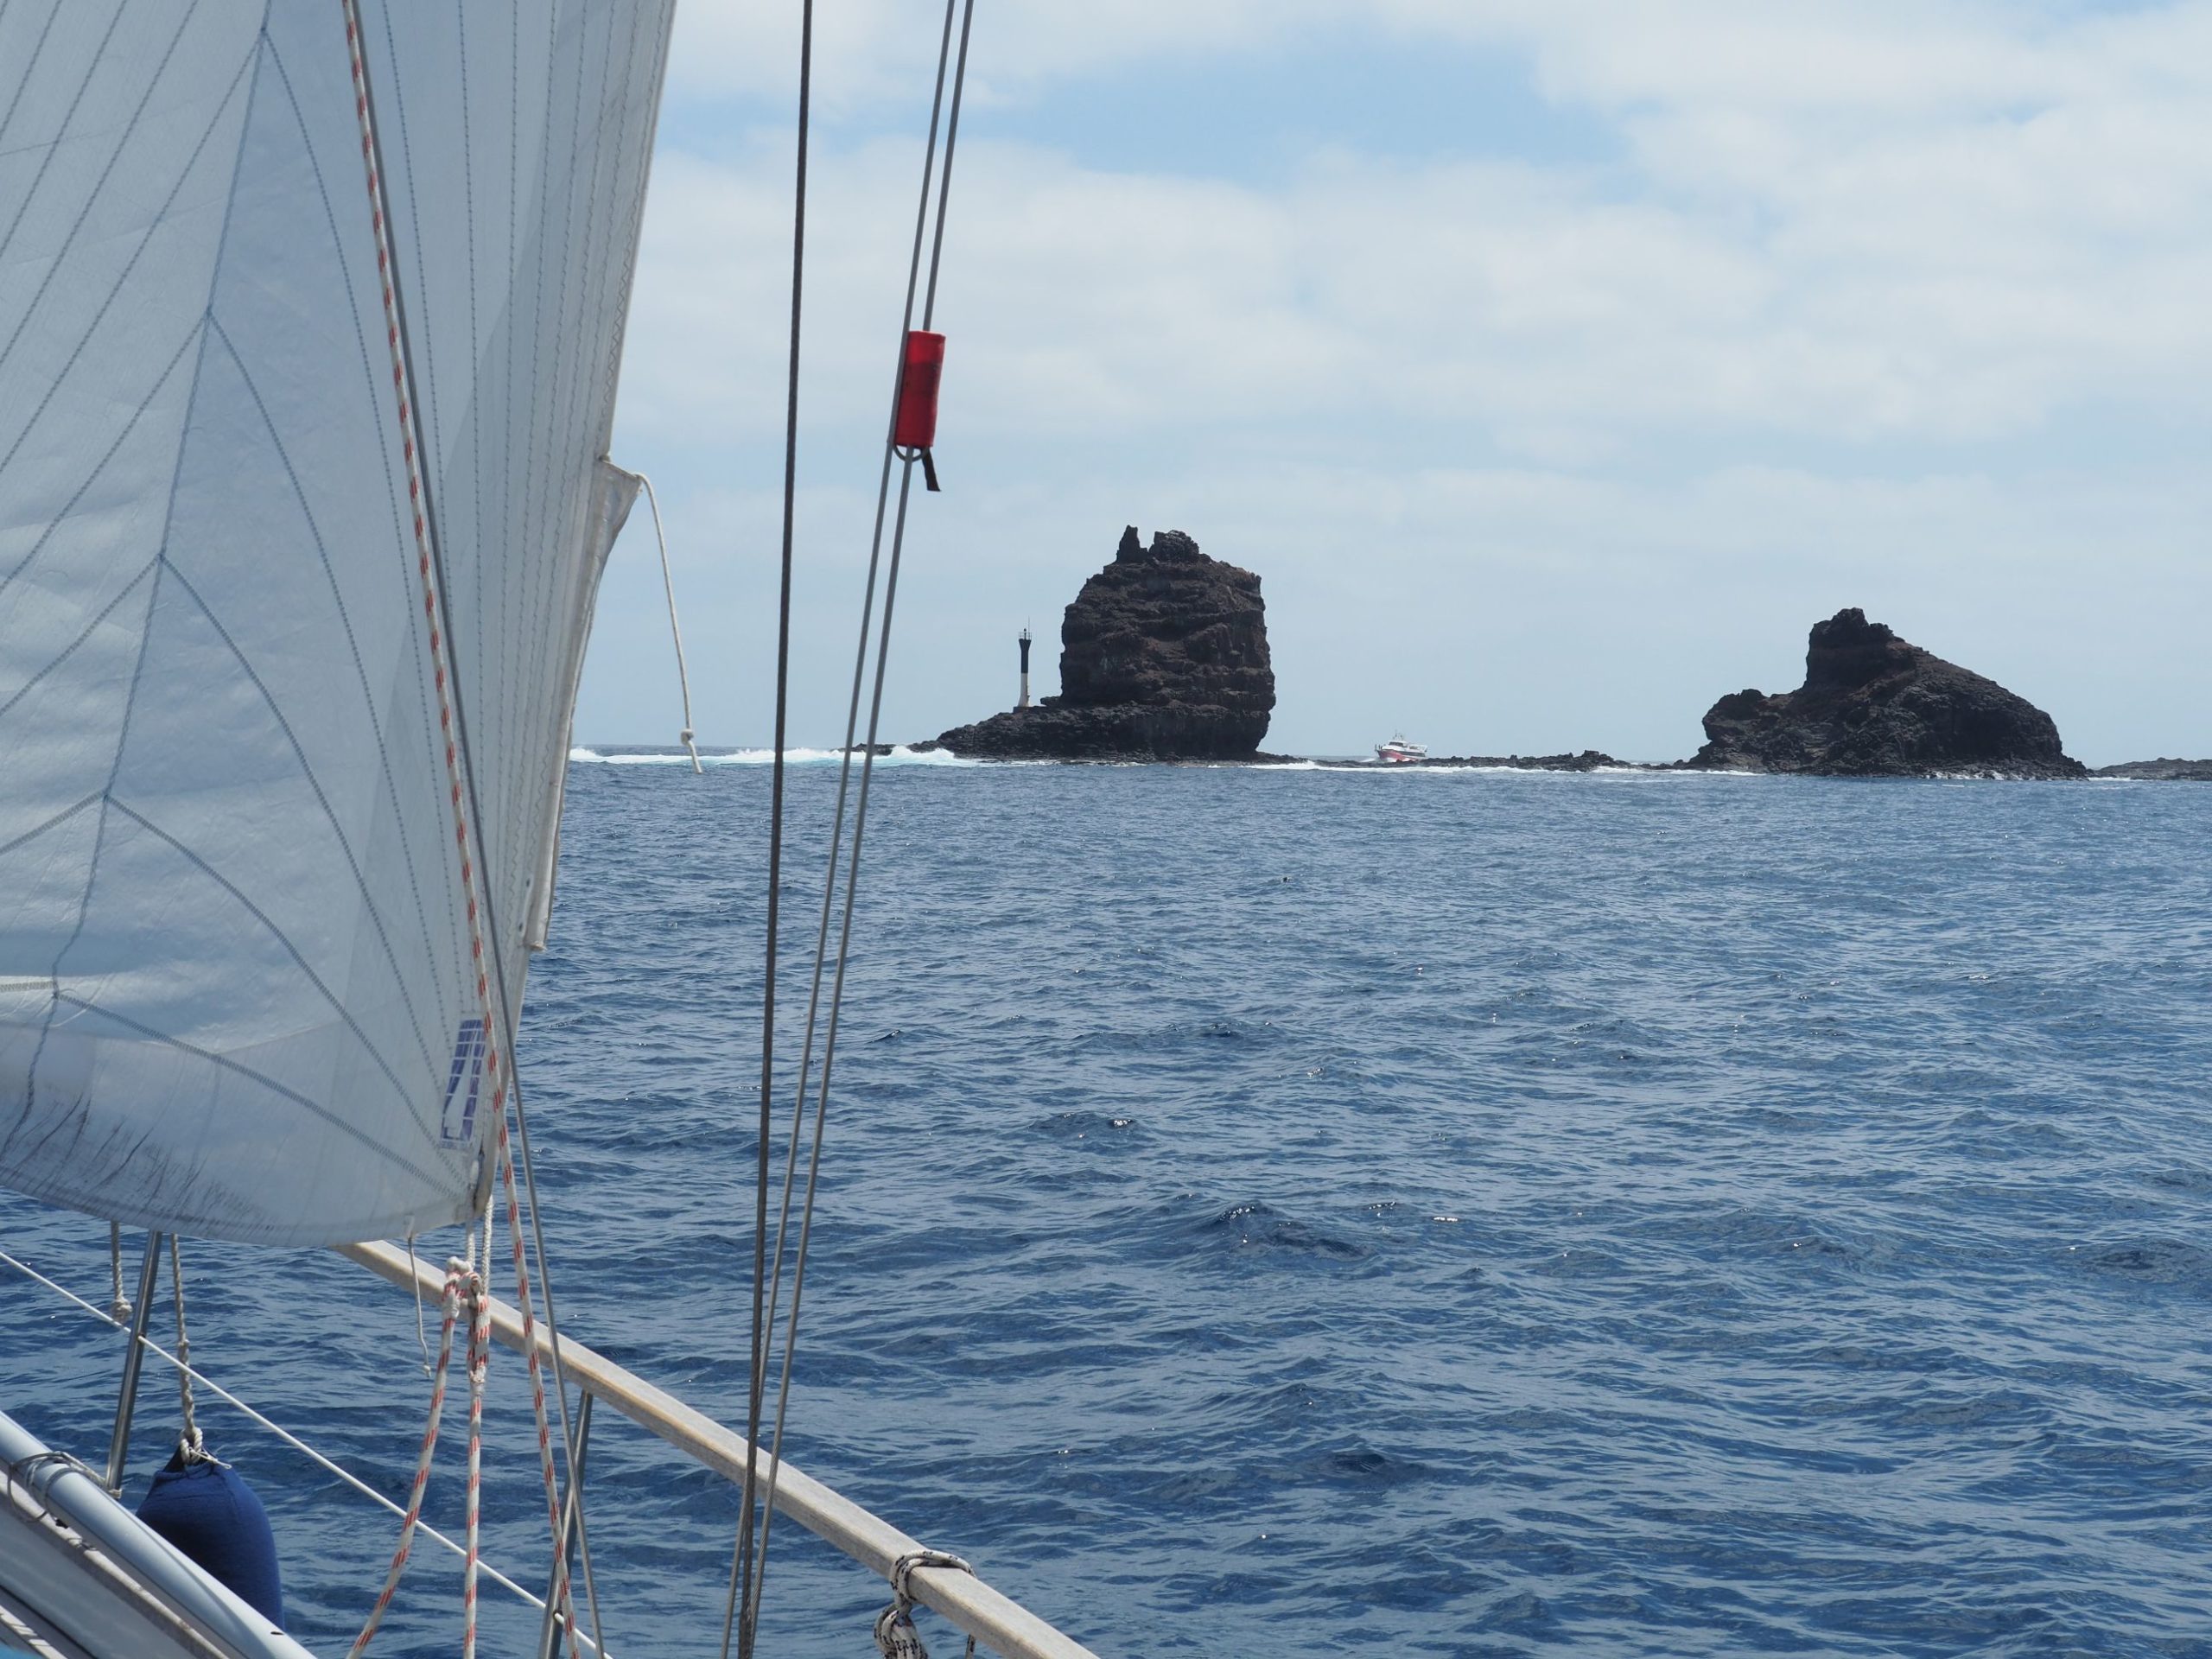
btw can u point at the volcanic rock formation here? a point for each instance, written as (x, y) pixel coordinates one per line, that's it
(1163, 656)
(1873, 705)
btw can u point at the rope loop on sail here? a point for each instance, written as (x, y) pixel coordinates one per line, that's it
(895, 1635)
(463, 1284)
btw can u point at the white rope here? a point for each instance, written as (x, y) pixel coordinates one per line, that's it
(461, 776)
(895, 1635)
(460, 1280)
(327, 1464)
(194, 1449)
(675, 628)
(118, 1307)
(479, 1361)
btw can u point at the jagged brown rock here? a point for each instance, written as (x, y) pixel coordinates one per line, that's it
(1163, 656)
(1874, 705)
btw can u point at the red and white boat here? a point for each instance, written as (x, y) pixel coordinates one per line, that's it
(1399, 752)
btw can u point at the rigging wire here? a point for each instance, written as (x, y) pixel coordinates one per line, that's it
(860, 667)
(757, 1374)
(675, 628)
(460, 759)
(750, 1617)
(852, 719)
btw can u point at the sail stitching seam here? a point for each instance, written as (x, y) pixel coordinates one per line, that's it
(475, 338)
(568, 467)
(574, 520)
(508, 516)
(392, 493)
(628, 263)
(160, 561)
(60, 137)
(36, 831)
(532, 525)
(426, 407)
(277, 933)
(71, 649)
(368, 705)
(438, 659)
(92, 478)
(583, 382)
(30, 69)
(130, 265)
(226, 1062)
(432, 580)
(329, 813)
(62, 254)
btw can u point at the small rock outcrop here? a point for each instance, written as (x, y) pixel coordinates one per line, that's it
(2162, 771)
(1163, 656)
(1873, 705)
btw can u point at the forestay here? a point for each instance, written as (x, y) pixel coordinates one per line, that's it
(235, 991)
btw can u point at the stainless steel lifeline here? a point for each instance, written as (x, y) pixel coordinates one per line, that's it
(972, 1606)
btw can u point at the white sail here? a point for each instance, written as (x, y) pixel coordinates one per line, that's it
(236, 996)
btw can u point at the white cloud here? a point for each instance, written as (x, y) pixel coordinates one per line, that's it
(1478, 423)
(1509, 299)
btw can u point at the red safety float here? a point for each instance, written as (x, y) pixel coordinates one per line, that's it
(916, 427)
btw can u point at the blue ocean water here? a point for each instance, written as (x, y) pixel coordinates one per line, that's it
(1299, 1212)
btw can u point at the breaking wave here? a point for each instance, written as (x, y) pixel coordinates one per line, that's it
(900, 756)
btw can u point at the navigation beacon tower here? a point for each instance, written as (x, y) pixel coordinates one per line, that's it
(1024, 703)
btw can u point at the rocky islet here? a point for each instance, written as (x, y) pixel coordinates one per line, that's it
(1163, 656)
(1874, 705)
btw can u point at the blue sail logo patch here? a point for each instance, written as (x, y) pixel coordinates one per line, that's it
(457, 1122)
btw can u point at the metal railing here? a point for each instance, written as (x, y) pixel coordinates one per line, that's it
(969, 1604)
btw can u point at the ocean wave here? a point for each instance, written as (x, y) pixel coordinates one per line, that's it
(900, 756)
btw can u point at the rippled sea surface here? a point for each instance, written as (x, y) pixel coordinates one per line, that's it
(1296, 1213)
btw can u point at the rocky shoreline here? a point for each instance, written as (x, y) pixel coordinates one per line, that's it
(2160, 771)
(1164, 658)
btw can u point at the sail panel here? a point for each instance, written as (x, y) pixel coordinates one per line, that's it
(236, 997)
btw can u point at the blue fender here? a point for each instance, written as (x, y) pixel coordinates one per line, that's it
(208, 1511)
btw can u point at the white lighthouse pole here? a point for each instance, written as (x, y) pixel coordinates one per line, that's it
(1024, 703)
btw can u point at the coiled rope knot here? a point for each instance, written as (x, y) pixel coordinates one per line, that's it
(895, 1635)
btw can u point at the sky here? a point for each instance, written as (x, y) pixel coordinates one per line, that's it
(1556, 363)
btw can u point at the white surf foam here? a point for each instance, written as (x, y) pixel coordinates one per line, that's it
(900, 756)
